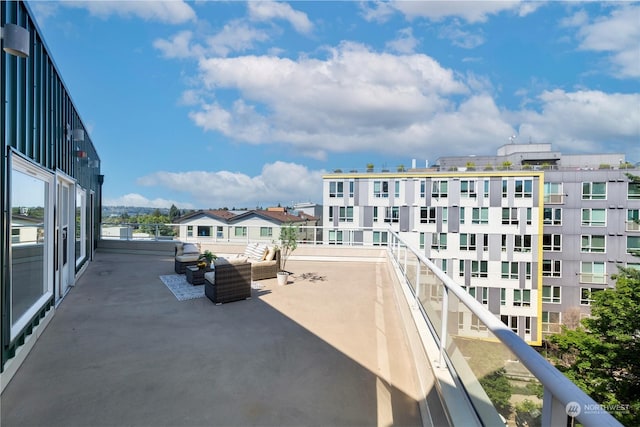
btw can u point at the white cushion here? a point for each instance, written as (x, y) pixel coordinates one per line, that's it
(190, 248)
(210, 277)
(270, 254)
(187, 257)
(256, 252)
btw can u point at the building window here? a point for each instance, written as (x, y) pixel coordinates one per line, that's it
(375, 214)
(633, 219)
(551, 294)
(421, 240)
(423, 189)
(552, 242)
(522, 243)
(392, 214)
(586, 295)
(594, 190)
(522, 298)
(445, 215)
(550, 322)
(439, 189)
(439, 241)
(510, 321)
(553, 193)
(527, 325)
(479, 269)
(240, 231)
(510, 216)
(505, 188)
(503, 296)
(219, 232)
(551, 268)
(589, 243)
(380, 238)
(335, 237)
(633, 244)
(594, 217)
(592, 272)
(444, 265)
(485, 193)
(346, 214)
(633, 191)
(467, 242)
(351, 188)
(485, 242)
(509, 270)
(467, 188)
(480, 216)
(529, 214)
(428, 215)
(336, 188)
(524, 188)
(476, 323)
(331, 216)
(461, 269)
(552, 216)
(266, 232)
(527, 270)
(189, 230)
(204, 231)
(461, 215)
(381, 189)
(397, 188)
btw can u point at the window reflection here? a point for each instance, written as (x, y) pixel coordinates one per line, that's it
(28, 234)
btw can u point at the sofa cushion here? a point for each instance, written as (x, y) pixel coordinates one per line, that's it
(256, 252)
(190, 248)
(227, 261)
(270, 254)
(187, 257)
(210, 277)
(179, 248)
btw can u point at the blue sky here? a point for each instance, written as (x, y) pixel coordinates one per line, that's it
(210, 104)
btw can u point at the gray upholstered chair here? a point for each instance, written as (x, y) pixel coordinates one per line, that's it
(229, 281)
(185, 254)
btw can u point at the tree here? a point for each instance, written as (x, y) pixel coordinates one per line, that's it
(601, 355)
(499, 390)
(288, 243)
(174, 213)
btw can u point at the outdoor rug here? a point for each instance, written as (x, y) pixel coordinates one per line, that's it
(177, 284)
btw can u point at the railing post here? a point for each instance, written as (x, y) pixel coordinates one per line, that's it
(554, 413)
(418, 283)
(157, 232)
(443, 327)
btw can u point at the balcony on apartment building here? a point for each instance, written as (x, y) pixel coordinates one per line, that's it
(353, 339)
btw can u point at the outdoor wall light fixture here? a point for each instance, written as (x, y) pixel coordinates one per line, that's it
(15, 40)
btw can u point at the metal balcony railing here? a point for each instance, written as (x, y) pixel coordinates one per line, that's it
(480, 351)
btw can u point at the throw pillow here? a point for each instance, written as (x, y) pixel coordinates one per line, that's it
(270, 254)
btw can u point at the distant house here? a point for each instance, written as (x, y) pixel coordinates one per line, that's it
(254, 225)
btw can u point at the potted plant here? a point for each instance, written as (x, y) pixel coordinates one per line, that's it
(369, 167)
(206, 259)
(288, 244)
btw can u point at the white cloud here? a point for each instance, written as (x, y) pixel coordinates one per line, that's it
(470, 11)
(405, 42)
(460, 37)
(235, 36)
(178, 46)
(281, 182)
(376, 11)
(170, 12)
(348, 101)
(134, 199)
(585, 121)
(268, 10)
(617, 34)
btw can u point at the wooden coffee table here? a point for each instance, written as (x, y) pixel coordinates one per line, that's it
(195, 275)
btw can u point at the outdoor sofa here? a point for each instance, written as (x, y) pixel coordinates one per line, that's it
(185, 254)
(264, 260)
(229, 281)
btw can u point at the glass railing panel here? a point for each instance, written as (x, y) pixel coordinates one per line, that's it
(430, 296)
(492, 375)
(412, 267)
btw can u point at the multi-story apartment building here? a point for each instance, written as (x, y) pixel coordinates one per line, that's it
(531, 233)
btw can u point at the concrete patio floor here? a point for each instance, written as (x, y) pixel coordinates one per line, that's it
(328, 349)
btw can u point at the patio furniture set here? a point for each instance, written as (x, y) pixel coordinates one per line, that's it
(227, 279)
